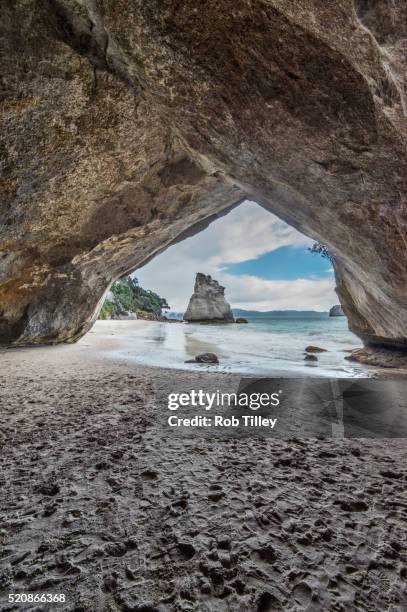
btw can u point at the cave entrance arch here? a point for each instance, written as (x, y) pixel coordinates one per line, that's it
(124, 130)
(67, 305)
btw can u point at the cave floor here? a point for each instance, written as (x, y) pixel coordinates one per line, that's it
(99, 503)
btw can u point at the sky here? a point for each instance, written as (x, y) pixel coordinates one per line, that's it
(263, 263)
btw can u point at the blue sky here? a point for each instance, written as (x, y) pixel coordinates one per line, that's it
(284, 263)
(263, 263)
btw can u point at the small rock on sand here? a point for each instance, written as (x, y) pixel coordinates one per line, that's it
(204, 358)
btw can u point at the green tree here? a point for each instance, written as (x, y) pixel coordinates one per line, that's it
(128, 296)
(320, 249)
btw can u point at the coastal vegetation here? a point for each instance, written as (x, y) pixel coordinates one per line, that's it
(320, 249)
(126, 297)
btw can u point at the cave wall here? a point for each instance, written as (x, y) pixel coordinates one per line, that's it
(126, 124)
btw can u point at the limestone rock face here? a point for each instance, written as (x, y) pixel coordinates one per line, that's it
(208, 302)
(336, 311)
(128, 125)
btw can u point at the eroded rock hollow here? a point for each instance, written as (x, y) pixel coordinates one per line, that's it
(128, 124)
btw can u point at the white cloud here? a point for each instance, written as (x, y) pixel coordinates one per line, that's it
(245, 233)
(252, 293)
(248, 232)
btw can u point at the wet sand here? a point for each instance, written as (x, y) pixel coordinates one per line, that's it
(100, 502)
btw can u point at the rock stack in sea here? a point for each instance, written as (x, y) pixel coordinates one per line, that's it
(207, 303)
(336, 311)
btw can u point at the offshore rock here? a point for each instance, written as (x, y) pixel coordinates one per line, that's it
(127, 126)
(207, 303)
(315, 349)
(336, 311)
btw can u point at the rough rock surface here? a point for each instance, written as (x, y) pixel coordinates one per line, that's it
(208, 302)
(336, 311)
(380, 357)
(128, 125)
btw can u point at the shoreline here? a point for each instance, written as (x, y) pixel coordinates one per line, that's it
(115, 340)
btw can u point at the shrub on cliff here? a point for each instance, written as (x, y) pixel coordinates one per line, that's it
(320, 249)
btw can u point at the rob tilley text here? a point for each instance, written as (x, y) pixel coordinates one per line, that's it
(207, 401)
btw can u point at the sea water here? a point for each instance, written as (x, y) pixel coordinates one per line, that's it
(265, 346)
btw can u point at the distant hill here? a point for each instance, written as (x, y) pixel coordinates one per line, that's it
(257, 314)
(283, 314)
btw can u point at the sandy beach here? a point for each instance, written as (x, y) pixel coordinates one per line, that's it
(103, 504)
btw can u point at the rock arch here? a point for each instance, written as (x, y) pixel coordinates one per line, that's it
(126, 125)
